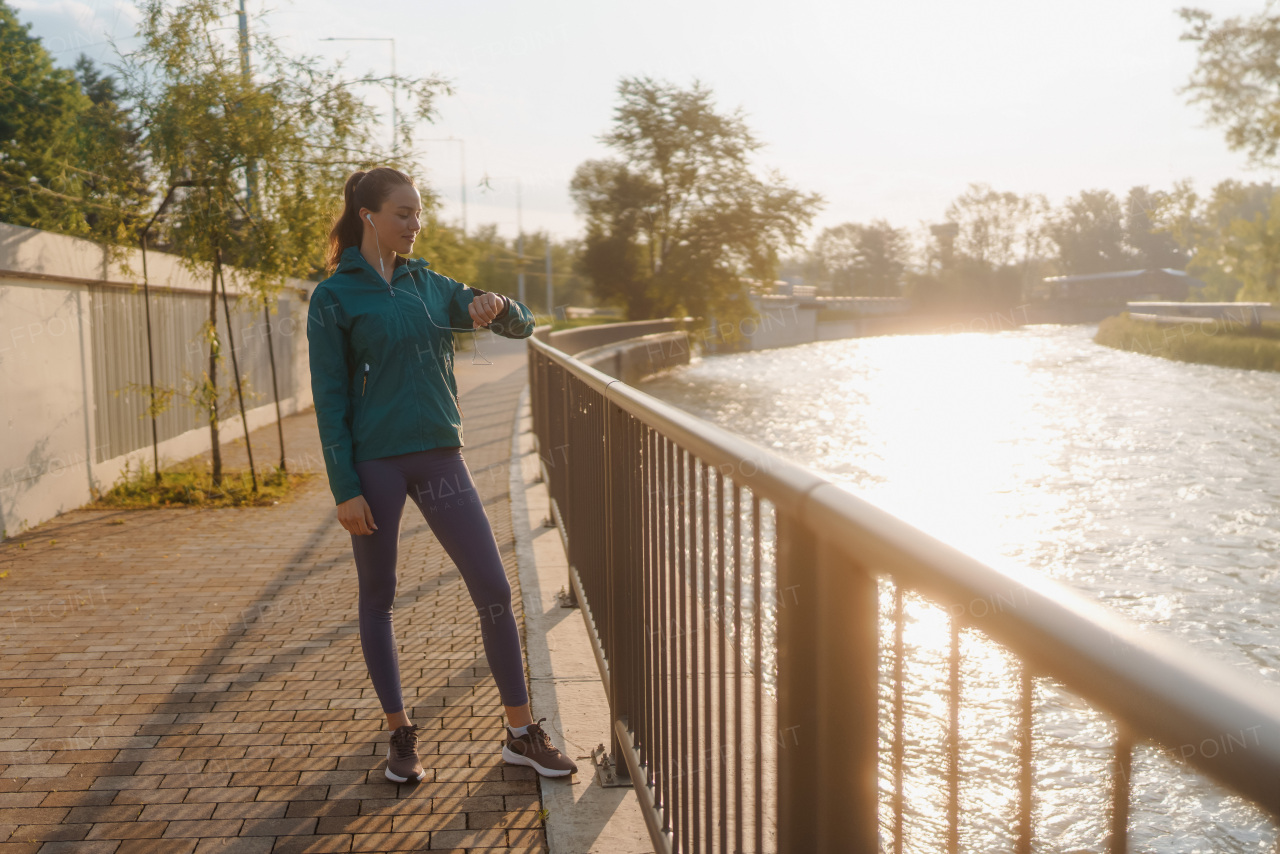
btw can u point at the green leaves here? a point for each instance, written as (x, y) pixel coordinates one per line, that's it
(68, 154)
(863, 260)
(683, 219)
(1237, 77)
(266, 145)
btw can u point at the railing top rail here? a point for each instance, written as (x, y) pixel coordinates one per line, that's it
(575, 340)
(1206, 712)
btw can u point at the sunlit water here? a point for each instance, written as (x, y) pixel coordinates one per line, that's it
(1148, 485)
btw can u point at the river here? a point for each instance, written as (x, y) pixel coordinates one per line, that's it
(1148, 485)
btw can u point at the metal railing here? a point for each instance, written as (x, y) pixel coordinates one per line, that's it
(736, 605)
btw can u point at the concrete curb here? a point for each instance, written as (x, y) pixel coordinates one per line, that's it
(564, 682)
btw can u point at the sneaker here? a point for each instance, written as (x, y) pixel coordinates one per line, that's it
(535, 749)
(402, 755)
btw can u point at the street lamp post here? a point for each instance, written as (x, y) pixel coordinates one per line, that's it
(519, 230)
(394, 135)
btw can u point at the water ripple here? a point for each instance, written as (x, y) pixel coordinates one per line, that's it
(1148, 485)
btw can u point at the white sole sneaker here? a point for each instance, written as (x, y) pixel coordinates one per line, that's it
(514, 758)
(396, 778)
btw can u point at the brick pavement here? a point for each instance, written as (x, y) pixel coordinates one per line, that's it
(186, 680)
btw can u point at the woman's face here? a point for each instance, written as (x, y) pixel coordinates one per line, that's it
(398, 222)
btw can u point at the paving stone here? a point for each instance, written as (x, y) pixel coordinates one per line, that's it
(179, 812)
(127, 830)
(208, 687)
(237, 845)
(50, 831)
(157, 846)
(81, 846)
(312, 844)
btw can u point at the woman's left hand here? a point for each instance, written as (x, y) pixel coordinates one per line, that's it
(484, 308)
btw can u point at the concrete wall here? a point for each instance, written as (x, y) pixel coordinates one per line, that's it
(781, 324)
(636, 358)
(578, 339)
(55, 343)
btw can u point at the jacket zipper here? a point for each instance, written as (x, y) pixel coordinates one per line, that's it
(365, 385)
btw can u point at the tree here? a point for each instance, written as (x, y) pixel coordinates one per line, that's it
(1089, 234)
(995, 228)
(1233, 237)
(986, 256)
(69, 155)
(296, 126)
(497, 268)
(448, 250)
(863, 260)
(1237, 76)
(1152, 248)
(682, 220)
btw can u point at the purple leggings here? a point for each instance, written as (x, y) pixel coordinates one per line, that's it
(440, 484)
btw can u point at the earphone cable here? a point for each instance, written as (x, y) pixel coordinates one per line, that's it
(475, 340)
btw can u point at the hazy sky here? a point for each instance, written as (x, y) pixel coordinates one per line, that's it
(888, 109)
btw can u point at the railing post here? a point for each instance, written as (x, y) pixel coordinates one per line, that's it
(619, 477)
(828, 728)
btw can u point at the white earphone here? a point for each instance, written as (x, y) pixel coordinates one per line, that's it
(430, 319)
(381, 266)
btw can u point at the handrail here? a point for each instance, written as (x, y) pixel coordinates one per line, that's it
(831, 545)
(1165, 691)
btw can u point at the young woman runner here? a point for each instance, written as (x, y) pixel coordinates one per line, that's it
(380, 330)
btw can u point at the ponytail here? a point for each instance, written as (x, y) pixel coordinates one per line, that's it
(362, 190)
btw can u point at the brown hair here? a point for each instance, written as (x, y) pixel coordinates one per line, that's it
(362, 190)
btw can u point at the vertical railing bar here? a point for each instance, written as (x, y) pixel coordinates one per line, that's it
(644, 679)
(704, 777)
(622, 562)
(664, 632)
(1122, 773)
(709, 777)
(566, 494)
(899, 709)
(640, 726)
(737, 667)
(688, 484)
(639, 720)
(1025, 747)
(721, 669)
(680, 581)
(657, 771)
(953, 744)
(758, 669)
(651, 605)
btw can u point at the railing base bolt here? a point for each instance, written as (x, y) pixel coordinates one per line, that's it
(607, 769)
(566, 599)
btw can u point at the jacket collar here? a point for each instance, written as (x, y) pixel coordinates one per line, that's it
(351, 261)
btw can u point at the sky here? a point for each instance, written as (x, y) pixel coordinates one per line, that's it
(888, 110)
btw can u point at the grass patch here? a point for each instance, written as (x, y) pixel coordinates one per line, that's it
(1224, 344)
(190, 484)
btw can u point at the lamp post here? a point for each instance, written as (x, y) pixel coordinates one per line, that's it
(251, 170)
(462, 168)
(394, 135)
(484, 182)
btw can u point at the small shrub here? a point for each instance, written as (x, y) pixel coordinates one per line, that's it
(191, 484)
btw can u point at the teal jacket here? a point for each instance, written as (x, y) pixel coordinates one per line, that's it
(381, 366)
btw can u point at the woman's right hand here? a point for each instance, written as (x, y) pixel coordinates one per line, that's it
(354, 515)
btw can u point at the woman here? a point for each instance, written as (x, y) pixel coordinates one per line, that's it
(386, 403)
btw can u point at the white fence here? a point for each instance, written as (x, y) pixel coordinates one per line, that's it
(73, 350)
